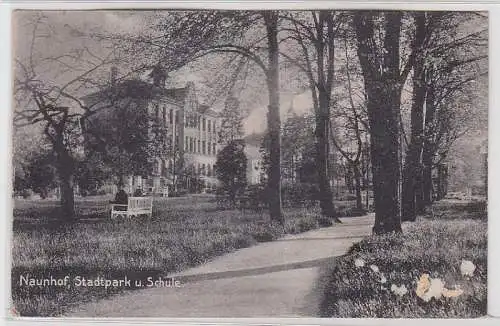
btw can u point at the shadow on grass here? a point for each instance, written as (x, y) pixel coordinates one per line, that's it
(52, 222)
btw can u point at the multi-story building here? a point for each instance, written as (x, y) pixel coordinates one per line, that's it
(192, 128)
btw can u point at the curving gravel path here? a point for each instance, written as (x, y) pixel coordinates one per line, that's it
(273, 279)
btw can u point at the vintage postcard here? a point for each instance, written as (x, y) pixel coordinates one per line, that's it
(249, 163)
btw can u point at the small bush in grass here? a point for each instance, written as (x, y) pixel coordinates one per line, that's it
(299, 194)
(324, 221)
(353, 212)
(267, 232)
(303, 224)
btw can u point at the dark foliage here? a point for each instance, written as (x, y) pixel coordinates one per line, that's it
(230, 169)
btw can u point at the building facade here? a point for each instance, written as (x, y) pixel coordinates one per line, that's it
(192, 130)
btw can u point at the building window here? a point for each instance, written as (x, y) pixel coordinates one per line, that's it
(203, 149)
(164, 113)
(209, 170)
(199, 122)
(213, 168)
(190, 120)
(186, 144)
(171, 116)
(176, 117)
(204, 124)
(213, 145)
(214, 128)
(209, 148)
(190, 144)
(209, 127)
(199, 148)
(203, 169)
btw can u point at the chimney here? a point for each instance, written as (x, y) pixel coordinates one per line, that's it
(114, 75)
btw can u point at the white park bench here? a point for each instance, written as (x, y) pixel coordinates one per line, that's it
(136, 206)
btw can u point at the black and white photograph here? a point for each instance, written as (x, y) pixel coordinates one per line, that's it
(327, 163)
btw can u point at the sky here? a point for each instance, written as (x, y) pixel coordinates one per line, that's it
(68, 29)
(67, 33)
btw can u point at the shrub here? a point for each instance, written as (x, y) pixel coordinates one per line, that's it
(324, 221)
(303, 224)
(299, 194)
(353, 212)
(257, 196)
(230, 168)
(266, 232)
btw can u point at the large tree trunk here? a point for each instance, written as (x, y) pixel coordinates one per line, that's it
(357, 183)
(383, 87)
(65, 165)
(442, 181)
(67, 196)
(428, 151)
(273, 119)
(322, 136)
(385, 159)
(419, 189)
(66, 182)
(411, 178)
(427, 191)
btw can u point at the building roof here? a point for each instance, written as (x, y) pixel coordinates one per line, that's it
(177, 94)
(205, 109)
(133, 88)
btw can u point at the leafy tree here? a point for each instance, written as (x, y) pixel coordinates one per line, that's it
(46, 97)
(314, 32)
(184, 36)
(384, 77)
(231, 168)
(91, 174)
(297, 136)
(348, 139)
(446, 61)
(231, 127)
(41, 173)
(268, 61)
(131, 134)
(308, 166)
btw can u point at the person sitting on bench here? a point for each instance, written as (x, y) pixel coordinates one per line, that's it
(121, 198)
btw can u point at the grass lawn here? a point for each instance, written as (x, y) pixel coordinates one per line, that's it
(368, 281)
(183, 232)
